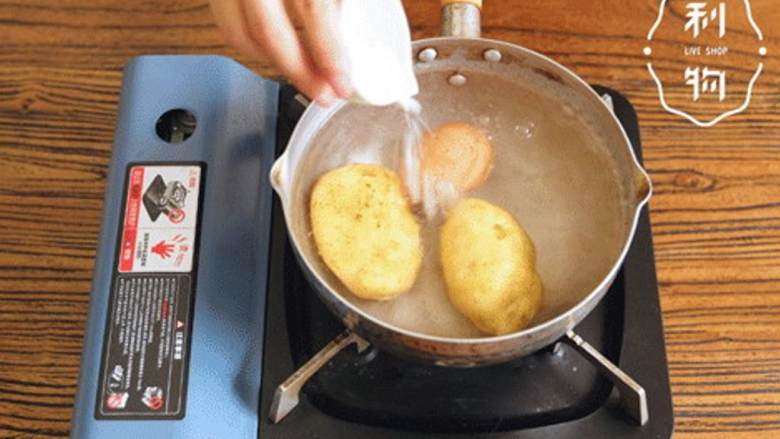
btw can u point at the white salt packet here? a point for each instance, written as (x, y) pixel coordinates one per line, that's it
(377, 49)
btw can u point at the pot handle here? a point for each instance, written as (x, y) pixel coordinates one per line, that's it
(460, 18)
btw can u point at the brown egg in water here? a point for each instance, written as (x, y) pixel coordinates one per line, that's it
(457, 152)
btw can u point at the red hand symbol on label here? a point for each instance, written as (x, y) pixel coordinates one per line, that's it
(163, 249)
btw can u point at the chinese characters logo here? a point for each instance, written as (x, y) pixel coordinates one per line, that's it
(699, 80)
(711, 83)
(698, 18)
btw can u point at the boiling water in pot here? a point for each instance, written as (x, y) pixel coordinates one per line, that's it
(551, 173)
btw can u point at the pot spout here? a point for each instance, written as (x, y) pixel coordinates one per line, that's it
(277, 177)
(643, 185)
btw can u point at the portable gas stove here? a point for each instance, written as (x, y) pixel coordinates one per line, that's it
(199, 310)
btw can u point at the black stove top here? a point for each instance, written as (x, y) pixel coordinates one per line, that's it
(553, 393)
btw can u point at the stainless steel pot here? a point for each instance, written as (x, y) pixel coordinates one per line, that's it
(450, 60)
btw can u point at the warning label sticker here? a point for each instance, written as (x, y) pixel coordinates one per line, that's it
(145, 350)
(160, 219)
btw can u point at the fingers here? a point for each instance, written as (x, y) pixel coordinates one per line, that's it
(228, 16)
(263, 29)
(270, 30)
(320, 34)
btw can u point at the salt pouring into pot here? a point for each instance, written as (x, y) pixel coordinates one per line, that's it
(377, 49)
(377, 60)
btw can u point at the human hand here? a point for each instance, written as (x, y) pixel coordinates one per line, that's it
(310, 59)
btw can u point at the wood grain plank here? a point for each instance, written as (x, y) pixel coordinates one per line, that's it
(715, 213)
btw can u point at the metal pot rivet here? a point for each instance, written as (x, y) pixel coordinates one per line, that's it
(427, 55)
(457, 80)
(492, 55)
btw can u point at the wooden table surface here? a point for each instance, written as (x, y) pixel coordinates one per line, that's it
(715, 213)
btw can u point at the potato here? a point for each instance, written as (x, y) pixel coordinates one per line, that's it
(365, 230)
(488, 262)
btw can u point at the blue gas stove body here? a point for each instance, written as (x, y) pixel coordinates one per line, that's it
(174, 340)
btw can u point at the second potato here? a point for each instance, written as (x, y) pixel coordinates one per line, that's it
(488, 262)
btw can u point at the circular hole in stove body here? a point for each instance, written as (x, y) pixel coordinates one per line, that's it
(176, 125)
